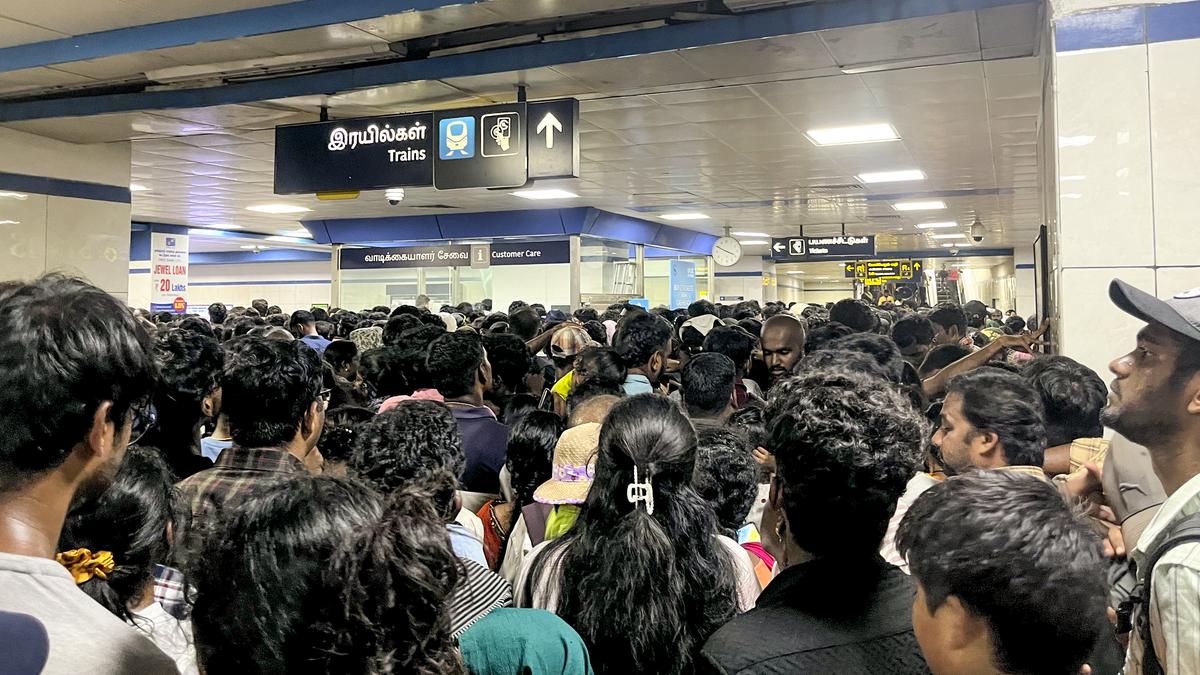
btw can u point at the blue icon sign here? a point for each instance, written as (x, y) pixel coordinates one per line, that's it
(456, 138)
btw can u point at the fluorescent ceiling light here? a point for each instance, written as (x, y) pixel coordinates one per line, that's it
(954, 235)
(753, 242)
(933, 226)
(750, 234)
(299, 232)
(10, 222)
(931, 205)
(13, 195)
(892, 176)
(137, 187)
(956, 245)
(278, 208)
(862, 133)
(549, 193)
(223, 226)
(689, 215)
(795, 272)
(261, 248)
(287, 240)
(201, 231)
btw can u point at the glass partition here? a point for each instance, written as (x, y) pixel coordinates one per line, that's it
(658, 287)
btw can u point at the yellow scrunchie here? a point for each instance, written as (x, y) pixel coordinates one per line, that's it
(83, 564)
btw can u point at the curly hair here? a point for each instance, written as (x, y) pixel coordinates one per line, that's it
(844, 447)
(454, 361)
(999, 402)
(726, 475)
(416, 443)
(670, 562)
(189, 366)
(1008, 547)
(267, 387)
(130, 519)
(732, 341)
(383, 371)
(820, 337)
(639, 337)
(510, 360)
(323, 575)
(880, 348)
(341, 431)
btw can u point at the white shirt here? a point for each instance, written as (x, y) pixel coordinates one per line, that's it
(917, 485)
(545, 596)
(172, 636)
(1175, 597)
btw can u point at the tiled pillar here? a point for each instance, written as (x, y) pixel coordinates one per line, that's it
(1123, 163)
(64, 207)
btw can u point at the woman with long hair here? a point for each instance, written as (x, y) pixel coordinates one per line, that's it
(643, 575)
(111, 543)
(531, 444)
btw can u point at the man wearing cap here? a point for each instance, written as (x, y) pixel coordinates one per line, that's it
(1155, 402)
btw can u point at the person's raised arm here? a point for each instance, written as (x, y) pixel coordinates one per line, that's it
(936, 384)
(539, 343)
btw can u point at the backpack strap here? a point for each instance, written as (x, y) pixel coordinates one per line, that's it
(1186, 530)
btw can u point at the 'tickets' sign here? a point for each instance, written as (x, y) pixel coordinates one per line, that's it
(168, 272)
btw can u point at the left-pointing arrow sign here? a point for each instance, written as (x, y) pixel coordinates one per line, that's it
(778, 247)
(549, 125)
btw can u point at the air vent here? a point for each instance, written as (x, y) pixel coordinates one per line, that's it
(844, 187)
(889, 216)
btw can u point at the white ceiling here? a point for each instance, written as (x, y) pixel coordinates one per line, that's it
(717, 129)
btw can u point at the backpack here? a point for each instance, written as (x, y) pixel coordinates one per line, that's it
(1135, 612)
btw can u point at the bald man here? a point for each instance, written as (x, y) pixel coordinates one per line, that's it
(782, 344)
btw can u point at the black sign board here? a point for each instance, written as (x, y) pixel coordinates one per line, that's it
(356, 154)
(456, 255)
(480, 147)
(553, 131)
(882, 269)
(816, 248)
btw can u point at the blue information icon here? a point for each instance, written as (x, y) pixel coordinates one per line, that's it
(456, 138)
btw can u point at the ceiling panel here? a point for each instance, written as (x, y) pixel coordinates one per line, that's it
(792, 53)
(956, 33)
(77, 17)
(14, 32)
(408, 25)
(320, 38)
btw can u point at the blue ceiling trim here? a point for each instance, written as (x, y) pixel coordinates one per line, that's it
(62, 187)
(212, 28)
(788, 21)
(396, 230)
(274, 255)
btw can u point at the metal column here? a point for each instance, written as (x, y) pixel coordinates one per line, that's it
(335, 276)
(576, 272)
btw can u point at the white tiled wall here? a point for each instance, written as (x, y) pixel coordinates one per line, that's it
(1128, 181)
(84, 237)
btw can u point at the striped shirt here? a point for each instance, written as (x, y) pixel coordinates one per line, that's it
(479, 592)
(1175, 597)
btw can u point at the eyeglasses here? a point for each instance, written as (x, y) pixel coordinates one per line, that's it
(142, 419)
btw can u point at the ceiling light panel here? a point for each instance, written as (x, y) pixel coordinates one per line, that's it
(862, 133)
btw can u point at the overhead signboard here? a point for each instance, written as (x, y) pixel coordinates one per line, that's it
(794, 249)
(493, 146)
(892, 270)
(553, 131)
(369, 153)
(481, 147)
(457, 255)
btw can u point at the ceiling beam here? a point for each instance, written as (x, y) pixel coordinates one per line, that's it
(212, 28)
(774, 23)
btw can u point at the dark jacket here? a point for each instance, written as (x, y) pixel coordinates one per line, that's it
(485, 443)
(824, 616)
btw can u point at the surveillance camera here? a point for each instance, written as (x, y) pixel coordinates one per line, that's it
(394, 202)
(954, 251)
(977, 231)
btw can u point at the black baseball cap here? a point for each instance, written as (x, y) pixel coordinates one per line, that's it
(1180, 313)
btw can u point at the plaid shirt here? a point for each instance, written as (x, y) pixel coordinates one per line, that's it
(237, 474)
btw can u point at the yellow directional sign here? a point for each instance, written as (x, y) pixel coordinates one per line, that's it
(890, 270)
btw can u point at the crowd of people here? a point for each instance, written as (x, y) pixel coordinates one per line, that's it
(716, 489)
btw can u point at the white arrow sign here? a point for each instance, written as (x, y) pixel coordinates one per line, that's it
(549, 124)
(778, 247)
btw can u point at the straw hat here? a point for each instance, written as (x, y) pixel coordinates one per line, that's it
(574, 466)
